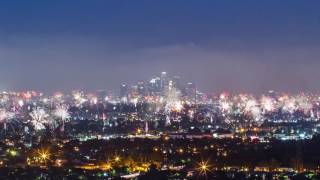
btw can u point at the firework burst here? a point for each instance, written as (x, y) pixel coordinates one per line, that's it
(62, 113)
(6, 117)
(40, 119)
(267, 104)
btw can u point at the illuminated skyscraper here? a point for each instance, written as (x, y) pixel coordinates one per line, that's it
(154, 85)
(163, 79)
(191, 91)
(141, 88)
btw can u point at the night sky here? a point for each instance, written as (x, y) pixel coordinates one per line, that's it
(234, 46)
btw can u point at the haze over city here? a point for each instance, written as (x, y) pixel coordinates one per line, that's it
(221, 46)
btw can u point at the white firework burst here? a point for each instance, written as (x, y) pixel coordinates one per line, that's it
(62, 113)
(256, 114)
(250, 105)
(6, 117)
(267, 104)
(304, 104)
(39, 119)
(289, 105)
(225, 106)
(79, 98)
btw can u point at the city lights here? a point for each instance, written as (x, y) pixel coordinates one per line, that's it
(145, 90)
(152, 126)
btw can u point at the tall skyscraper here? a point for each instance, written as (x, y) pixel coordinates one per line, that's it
(154, 85)
(141, 88)
(123, 90)
(191, 91)
(163, 79)
(176, 82)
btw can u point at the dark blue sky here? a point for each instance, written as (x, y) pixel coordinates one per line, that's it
(221, 45)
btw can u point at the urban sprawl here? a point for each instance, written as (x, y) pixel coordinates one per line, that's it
(162, 128)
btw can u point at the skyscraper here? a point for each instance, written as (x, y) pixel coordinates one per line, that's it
(123, 90)
(176, 82)
(141, 88)
(191, 91)
(163, 79)
(154, 85)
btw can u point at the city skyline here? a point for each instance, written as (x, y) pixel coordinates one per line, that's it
(170, 89)
(221, 46)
